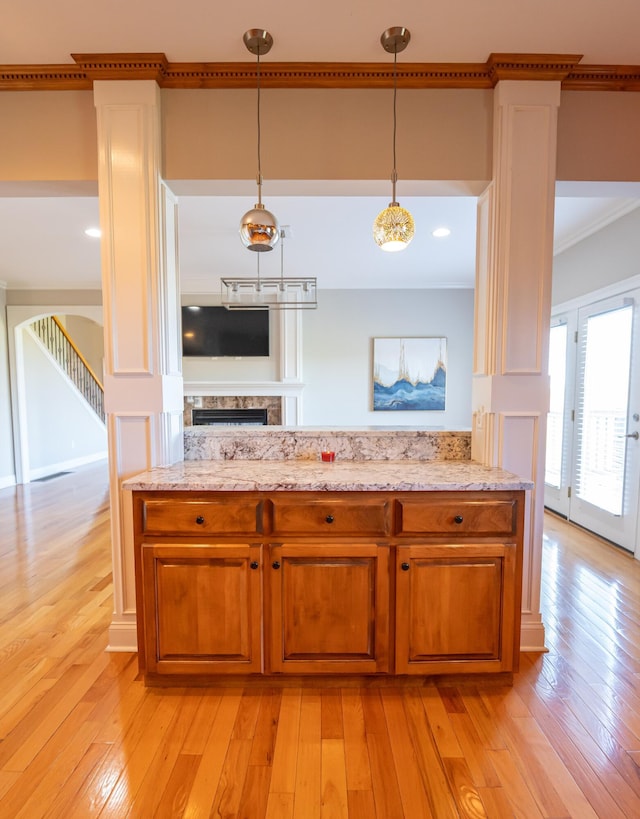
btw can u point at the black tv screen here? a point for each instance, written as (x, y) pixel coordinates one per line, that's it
(216, 331)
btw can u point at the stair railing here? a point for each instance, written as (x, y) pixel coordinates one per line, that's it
(57, 341)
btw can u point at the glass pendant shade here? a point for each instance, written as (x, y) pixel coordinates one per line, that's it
(259, 229)
(393, 228)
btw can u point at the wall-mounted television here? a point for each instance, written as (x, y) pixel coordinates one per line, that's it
(216, 331)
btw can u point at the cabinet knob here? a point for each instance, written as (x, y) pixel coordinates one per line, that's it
(329, 518)
(405, 567)
(254, 564)
(200, 520)
(458, 519)
(276, 564)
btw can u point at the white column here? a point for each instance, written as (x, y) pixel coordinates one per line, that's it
(513, 306)
(290, 362)
(143, 365)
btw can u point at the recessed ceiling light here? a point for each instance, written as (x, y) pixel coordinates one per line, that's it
(441, 232)
(94, 232)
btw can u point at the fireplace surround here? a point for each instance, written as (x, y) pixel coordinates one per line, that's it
(195, 404)
(240, 416)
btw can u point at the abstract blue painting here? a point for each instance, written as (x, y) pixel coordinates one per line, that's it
(409, 373)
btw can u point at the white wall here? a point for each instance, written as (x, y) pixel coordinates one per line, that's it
(338, 345)
(606, 257)
(69, 435)
(245, 369)
(23, 307)
(7, 470)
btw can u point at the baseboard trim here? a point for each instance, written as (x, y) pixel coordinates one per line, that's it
(64, 466)
(532, 637)
(123, 637)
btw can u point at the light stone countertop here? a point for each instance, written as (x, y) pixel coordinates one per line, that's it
(339, 476)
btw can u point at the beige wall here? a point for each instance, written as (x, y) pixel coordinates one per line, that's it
(598, 136)
(48, 135)
(317, 134)
(327, 134)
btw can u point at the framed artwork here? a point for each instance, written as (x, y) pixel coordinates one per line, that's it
(409, 373)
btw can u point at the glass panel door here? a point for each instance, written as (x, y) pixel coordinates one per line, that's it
(607, 451)
(560, 418)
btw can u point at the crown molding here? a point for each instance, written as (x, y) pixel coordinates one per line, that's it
(607, 77)
(561, 68)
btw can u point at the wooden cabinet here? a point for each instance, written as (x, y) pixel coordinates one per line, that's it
(328, 582)
(458, 582)
(201, 608)
(455, 607)
(329, 608)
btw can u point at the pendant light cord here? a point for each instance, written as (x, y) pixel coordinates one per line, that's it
(394, 173)
(258, 107)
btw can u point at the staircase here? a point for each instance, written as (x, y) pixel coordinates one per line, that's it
(56, 340)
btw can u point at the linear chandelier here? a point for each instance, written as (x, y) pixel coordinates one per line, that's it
(270, 293)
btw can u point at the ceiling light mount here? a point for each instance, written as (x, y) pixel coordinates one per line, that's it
(259, 229)
(395, 39)
(258, 41)
(393, 228)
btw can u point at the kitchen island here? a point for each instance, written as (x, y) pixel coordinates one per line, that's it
(285, 567)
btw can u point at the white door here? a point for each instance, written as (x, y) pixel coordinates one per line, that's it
(557, 477)
(606, 448)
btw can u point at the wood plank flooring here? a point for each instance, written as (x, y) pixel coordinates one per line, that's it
(80, 735)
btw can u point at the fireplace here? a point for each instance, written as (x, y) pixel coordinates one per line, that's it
(195, 405)
(238, 416)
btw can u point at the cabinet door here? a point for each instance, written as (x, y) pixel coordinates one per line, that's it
(456, 608)
(329, 608)
(202, 608)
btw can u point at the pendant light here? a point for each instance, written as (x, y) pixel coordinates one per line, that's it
(393, 228)
(259, 227)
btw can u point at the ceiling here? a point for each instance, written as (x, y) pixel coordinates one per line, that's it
(39, 31)
(42, 244)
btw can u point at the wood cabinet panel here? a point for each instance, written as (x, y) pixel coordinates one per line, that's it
(196, 517)
(202, 608)
(329, 608)
(330, 517)
(454, 606)
(334, 603)
(457, 516)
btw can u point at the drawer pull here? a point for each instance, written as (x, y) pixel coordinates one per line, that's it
(200, 520)
(329, 518)
(276, 564)
(458, 519)
(405, 567)
(254, 564)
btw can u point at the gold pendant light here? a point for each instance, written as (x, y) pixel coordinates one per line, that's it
(259, 227)
(393, 228)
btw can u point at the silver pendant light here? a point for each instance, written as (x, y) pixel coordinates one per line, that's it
(393, 228)
(259, 227)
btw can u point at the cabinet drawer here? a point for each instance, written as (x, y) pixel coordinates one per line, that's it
(460, 517)
(330, 517)
(193, 517)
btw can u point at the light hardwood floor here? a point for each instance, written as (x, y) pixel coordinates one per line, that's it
(80, 735)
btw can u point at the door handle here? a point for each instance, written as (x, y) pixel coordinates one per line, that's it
(635, 435)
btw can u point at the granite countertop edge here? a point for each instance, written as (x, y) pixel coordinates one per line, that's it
(309, 475)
